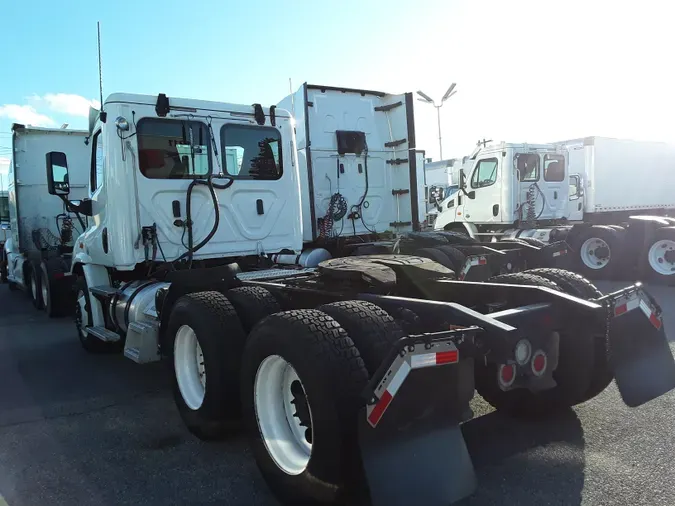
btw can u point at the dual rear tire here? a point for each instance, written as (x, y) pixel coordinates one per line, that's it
(294, 383)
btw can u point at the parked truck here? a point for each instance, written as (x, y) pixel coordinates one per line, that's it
(36, 255)
(364, 179)
(611, 200)
(350, 373)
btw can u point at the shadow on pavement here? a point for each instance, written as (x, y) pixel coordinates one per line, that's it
(528, 458)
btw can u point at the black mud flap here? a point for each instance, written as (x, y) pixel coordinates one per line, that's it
(478, 267)
(416, 453)
(639, 353)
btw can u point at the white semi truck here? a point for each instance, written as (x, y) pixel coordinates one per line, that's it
(611, 200)
(350, 374)
(36, 255)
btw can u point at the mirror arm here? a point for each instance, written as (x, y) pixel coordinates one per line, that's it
(73, 208)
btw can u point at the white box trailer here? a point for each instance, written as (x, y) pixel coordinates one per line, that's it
(36, 254)
(623, 175)
(359, 144)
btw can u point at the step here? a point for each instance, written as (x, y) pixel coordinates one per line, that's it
(103, 334)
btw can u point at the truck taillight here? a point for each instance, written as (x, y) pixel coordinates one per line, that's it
(539, 363)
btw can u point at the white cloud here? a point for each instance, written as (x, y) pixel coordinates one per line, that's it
(26, 115)
(67, 103)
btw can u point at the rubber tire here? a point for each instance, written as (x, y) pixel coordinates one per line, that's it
(662, 233)
(523, 403)
(58, 295)
(252, 303)
(578, 286)
(457, 258)
(221, 338)
(455, 237)
(371, 328)
(34, 272)
(436, 255)
(613, 238)
(91, 344)
(334, 375)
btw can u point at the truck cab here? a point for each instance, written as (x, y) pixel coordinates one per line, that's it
(150, 156)
(506, 184)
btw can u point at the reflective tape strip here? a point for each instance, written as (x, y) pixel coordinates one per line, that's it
(628, 305)
(434, 359)
(653, 318)
(561, 252)
(388, 395)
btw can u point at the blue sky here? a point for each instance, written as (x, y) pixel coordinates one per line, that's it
(527, 70)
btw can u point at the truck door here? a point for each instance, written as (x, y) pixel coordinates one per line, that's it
(484, 181)
(542, 189)
(555, 186)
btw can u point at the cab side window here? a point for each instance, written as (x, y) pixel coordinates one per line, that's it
(485, 173)
(97, 162)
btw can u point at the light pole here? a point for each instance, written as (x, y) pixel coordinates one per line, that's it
(426, 98)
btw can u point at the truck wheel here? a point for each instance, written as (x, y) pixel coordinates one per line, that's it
(660, 258)
(457, 258)
(252, 304)
(207, 341)
(83, 319)
(301, 380)
(436, 255)
(35, 286)
(54, 295)
(573, 374)
(578, 286)
(598, 251)
(371, 328)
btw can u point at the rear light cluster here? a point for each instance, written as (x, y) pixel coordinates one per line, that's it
(525, 358)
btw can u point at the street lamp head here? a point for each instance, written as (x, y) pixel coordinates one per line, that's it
(449, 93)
(425, 97)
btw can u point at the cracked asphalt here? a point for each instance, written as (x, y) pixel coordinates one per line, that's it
(101, 430)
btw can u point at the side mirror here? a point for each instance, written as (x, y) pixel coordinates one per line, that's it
(471, 194)
(57, 173)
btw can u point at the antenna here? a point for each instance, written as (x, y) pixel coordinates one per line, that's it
(100, 70)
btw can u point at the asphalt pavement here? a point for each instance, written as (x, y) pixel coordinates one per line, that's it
(101, 430)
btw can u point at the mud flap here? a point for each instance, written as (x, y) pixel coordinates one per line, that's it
(416, 454)
(639, 354)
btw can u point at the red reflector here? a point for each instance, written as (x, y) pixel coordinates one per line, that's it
(655, 320)
(380, 408)
(619, 310)
(482, 261)
(508, 373)
(59, 275)
(447, 357)
(539, 363)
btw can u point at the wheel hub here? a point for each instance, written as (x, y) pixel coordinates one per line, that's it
(301, 409)
(661, 257)
(188, 361)
(602, 252)
(595, 253)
